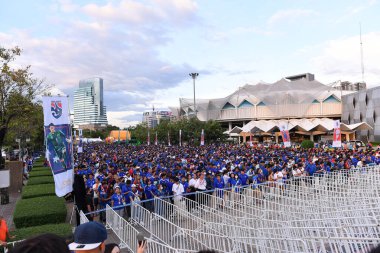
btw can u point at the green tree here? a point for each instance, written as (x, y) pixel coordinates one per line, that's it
(17, 89)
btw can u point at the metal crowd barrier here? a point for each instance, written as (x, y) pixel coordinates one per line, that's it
(333, 212)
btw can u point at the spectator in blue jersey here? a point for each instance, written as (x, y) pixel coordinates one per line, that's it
(149, 191)
(103, 200)
(243, 178)
(117, 201)
(219, 186)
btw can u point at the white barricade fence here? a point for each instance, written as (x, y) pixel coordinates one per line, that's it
(126, 233)
(10, 245)
(334, 212)
(83, 217)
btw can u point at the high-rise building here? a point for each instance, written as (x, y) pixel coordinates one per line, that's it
(89, 109)
(153, 118)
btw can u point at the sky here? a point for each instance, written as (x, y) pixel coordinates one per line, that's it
(145, 49)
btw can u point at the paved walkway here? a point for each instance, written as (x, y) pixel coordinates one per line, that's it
(7, 210)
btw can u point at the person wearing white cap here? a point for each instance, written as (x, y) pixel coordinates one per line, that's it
(89, 237)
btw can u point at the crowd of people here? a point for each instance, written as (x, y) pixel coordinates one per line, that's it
(117, 175)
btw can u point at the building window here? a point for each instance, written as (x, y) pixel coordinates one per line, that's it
(228, 106)
(331, 99)
(354, 102)
(245, 104)
(261, 104)
(366, 99)
(361, 117)
(349, 119)
(374, 116)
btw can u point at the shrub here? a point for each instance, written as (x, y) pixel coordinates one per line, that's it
(307, 144)
(40, 180)
(39, 173)
(40, 168)
(39, 211)
(62, 229)
(32, 191)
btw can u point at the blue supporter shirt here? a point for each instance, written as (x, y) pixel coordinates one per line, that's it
(118, 200)
(148, 190)
(90, 183)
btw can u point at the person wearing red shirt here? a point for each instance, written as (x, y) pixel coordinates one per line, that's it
(4, 233)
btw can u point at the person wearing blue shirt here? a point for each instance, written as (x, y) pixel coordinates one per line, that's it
(90, 181)
(117, 201)
(149, 191)
(243, 178)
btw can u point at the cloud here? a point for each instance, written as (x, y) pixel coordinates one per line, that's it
(118, 41)
(142, 13)
(124, 118)
(290, 15)
(340, 59)
(355, 10)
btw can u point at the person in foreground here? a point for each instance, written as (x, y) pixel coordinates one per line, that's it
(46, 243)
(112, 248)
(89, 237)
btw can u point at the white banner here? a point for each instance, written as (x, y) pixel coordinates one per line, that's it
(203, 138)
(337, 140)
(285, 135)
(58, 141)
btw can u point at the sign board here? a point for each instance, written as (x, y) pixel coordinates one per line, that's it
(4, 179)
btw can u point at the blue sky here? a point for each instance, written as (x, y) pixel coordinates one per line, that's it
(145, 49)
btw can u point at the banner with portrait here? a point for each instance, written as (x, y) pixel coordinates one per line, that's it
(337, 140)
(285, 135)
(58, 142)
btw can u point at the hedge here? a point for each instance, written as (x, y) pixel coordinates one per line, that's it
(61, 229)
(40, 180)
(39, 173)
(40, 168)
(39, 211)
(32, 191)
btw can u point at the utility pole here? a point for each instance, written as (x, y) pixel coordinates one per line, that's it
(194, 76)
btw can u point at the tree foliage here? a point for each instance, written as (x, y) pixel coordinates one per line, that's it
(18, 90)
(191, 131)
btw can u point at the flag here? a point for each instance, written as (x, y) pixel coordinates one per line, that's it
(169, 139)
(337, 140)
(58, 142)
(285, 135)
(80, 143)
(148, 138)
(203, 138)
(180, 137)
(155, 140)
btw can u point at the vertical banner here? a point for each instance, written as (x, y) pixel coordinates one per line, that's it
(169, 139)
(337, 140)
(58, 142)
(285, 135)
(203, 138)
(250, 139)
(155, 140)
(80, 142)
(148, 140)
(80, 132)
(180, 138)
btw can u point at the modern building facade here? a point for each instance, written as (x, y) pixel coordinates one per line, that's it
(153, 118)
(89, 109)
(360, 106)
(307, 106)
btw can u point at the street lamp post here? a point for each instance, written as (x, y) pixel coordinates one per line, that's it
(194, 76)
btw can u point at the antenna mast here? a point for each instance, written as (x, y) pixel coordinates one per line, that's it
(361, 51)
